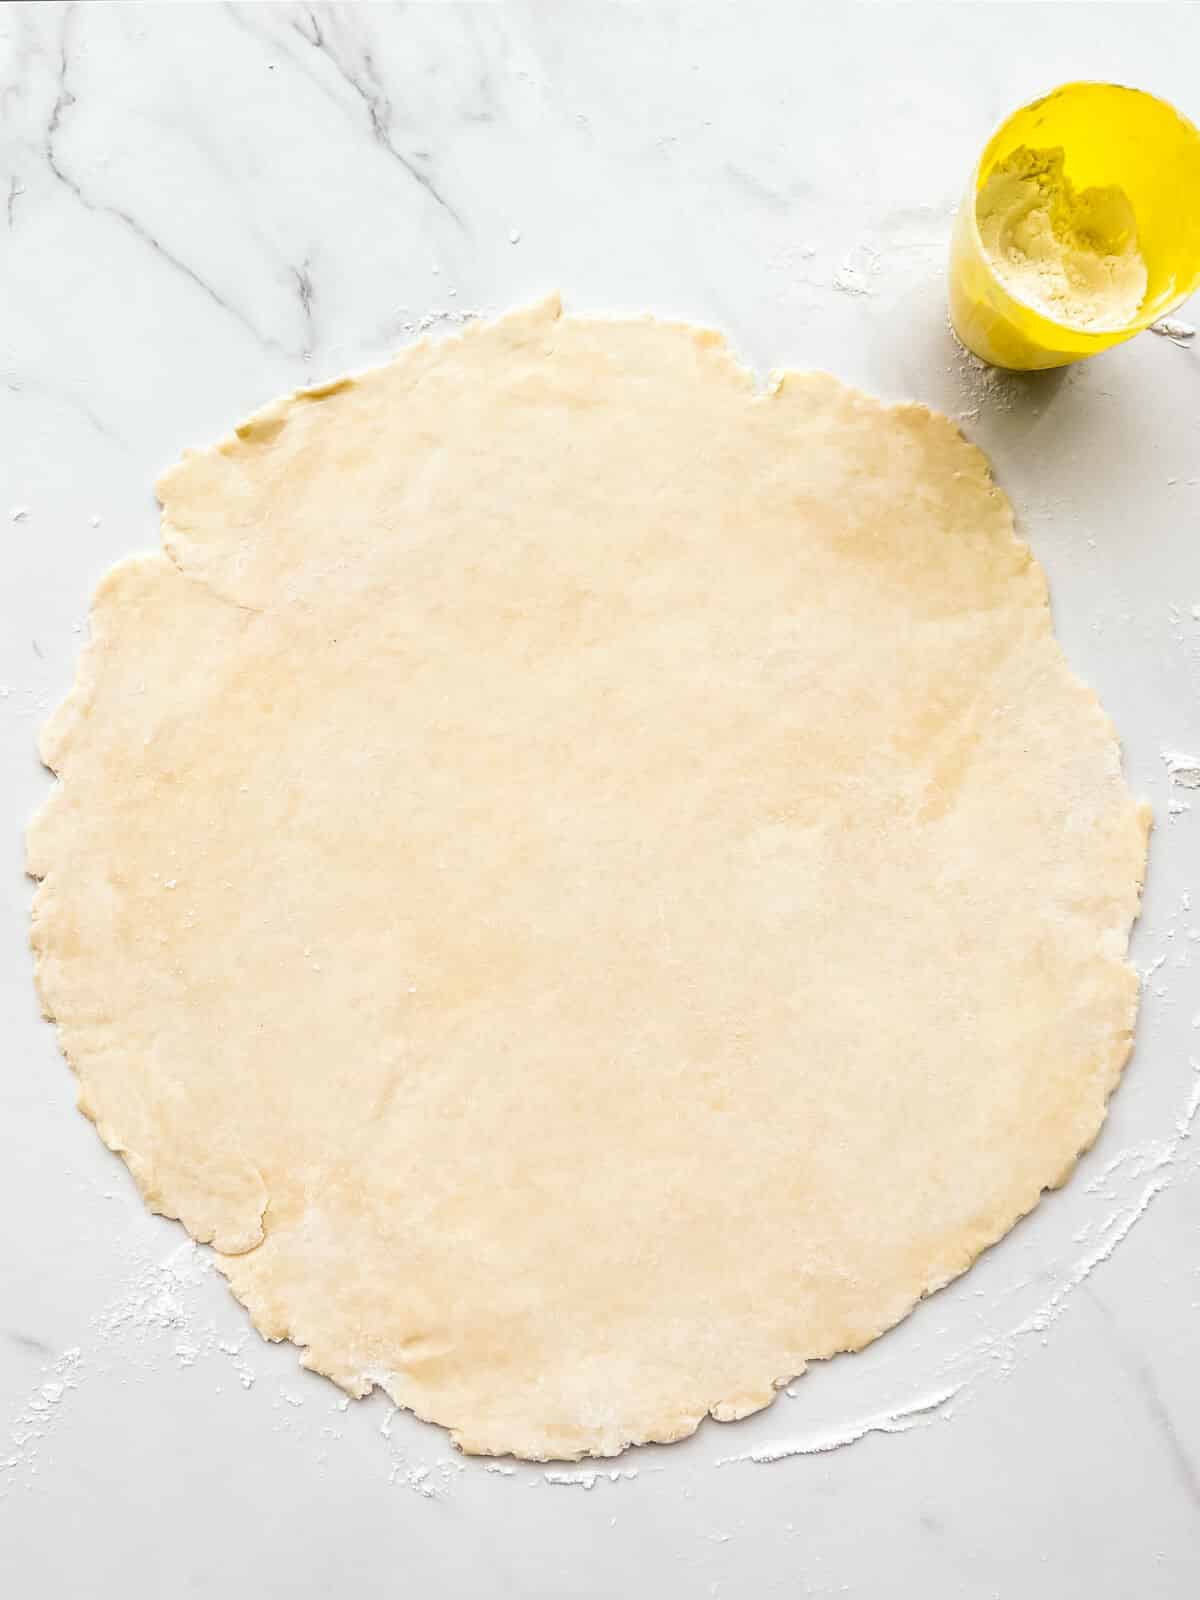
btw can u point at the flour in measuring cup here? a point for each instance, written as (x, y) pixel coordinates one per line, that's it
(1071, 254)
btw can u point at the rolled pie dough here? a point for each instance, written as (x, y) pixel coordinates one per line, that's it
(591, 886)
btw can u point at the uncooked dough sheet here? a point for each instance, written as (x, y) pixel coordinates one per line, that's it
(592, 886)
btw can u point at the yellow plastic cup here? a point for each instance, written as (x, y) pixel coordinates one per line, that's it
(1109, 135)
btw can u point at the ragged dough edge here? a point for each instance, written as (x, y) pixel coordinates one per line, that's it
(262, 431)
(259, 432)
(166, 1196)
(262, 428)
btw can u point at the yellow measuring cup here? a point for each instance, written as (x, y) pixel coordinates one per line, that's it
(1109, 135)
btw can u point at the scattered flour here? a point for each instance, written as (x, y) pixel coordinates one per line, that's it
(858, 267)
(986, 388)
(1172, 328)
(1182, 769)
(439, 319)
(589, 1477)
(37, 1419)
(899, 1421)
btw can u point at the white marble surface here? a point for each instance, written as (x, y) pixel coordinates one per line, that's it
(205, 205)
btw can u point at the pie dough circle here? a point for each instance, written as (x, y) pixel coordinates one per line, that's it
(592, 886)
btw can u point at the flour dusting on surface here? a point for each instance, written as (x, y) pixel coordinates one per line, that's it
(898, 1421)
(588, 1478)
(1173, 328)
(37, 1419)
(1154, 1165)
(857, 269)
(1182, 769)
(439, 319)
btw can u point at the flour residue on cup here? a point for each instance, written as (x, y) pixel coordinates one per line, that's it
(1071, 254)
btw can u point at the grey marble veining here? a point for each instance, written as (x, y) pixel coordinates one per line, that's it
(206, 205)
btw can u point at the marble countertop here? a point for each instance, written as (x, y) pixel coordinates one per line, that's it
(205, 205)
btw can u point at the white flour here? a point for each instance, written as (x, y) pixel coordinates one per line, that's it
(899, 1421)
(1172, 328)
(1071, 254)
(1182, 769)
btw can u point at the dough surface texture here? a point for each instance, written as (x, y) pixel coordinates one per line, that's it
(590, 885)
